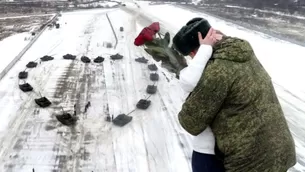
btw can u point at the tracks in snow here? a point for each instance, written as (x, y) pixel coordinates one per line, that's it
(151, 142)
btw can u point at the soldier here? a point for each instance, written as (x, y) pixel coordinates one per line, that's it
(236, 98)
(74, 110)
(204, 158)
(108, 118)
(87, 106)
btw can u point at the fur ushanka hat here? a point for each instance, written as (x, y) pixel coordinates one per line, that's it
(186, 40)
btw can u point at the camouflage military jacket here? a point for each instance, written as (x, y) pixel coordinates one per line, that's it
(235, 96)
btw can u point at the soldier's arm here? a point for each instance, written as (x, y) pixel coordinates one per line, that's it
(204, 103)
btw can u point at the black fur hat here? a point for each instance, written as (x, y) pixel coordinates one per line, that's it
(186, 40)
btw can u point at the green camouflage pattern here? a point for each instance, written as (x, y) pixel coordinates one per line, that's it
(235, 96)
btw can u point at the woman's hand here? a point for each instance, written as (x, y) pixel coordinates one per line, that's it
(210, 39)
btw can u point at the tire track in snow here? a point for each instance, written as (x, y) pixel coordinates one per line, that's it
(69, 149)
(90, 140)
(97, 137)
(143, 115)
(22, 131)
(132, 54)
(103, 158)
(183, 141)
(134, 132)
(127, 155)
(120, 82)
(61, 158)
(28, 97)
(94, 127)
(83, 97)
(67, 135)
(82, 158)
(156, 160)
(158, 101)
(40, 140)
(65, 96)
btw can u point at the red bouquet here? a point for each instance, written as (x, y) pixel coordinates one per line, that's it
(147, 34)
(158, 48)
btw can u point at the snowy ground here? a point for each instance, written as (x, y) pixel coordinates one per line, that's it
(16, 32)
(7, 53)
(31, 137)
(21, 24)
(98, 4)
(26, 16)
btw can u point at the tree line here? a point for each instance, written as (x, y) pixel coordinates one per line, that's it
(291, 5)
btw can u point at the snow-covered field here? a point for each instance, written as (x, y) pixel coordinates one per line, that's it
(283, 60)
(26, 16)
(98, 4)
(31, 137)
(266, 11)
(14, 41)
(10, 47)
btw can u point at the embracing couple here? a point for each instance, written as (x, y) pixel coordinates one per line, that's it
(230, 105)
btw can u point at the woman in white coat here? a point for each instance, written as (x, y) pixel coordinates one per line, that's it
(203, 158)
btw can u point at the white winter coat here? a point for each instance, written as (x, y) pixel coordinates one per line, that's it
(189, 77)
